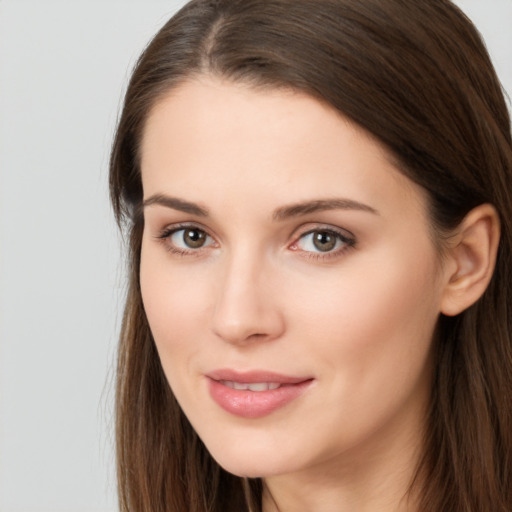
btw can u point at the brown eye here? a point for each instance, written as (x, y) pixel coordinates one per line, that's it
(324, 240)
(189, 238)
(194, 238)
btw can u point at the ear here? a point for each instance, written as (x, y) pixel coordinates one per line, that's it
(472, 258)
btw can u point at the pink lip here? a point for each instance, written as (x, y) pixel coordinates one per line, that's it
(254, 404)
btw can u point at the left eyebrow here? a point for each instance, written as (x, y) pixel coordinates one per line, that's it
(318, 205)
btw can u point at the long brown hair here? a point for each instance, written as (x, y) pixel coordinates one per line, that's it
(415, 74)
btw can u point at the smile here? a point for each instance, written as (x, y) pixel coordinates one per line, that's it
(256, 386)
(254, 394)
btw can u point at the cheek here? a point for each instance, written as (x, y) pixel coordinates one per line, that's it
(171, 300)
(372, 316)
(172, 304)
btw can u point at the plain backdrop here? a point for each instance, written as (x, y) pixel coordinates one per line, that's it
(63, 68)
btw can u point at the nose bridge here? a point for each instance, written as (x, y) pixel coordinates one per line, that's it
(246, 308)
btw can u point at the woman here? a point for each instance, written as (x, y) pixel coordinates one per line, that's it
(317, 197)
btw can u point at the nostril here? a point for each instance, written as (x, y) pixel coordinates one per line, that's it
(256, 329)
(257, 336)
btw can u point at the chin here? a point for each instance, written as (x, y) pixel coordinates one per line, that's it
(243, 468)
(255, 463)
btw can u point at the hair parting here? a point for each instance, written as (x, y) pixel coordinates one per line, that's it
(414, 74)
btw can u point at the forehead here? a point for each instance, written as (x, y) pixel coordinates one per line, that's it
(209, 135)
(215, 111)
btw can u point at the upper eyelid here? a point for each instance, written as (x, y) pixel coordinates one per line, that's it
(172, 228)
(297, 233)
(345, 240)
(165, 234)
(302, 231)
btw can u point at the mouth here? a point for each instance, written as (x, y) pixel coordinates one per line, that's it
(253, 386)
(254, 394)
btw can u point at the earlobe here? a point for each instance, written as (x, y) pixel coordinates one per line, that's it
(473, 257)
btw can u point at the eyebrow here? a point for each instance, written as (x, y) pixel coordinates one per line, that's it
(280, 214)
(176, 204)
(306, 207)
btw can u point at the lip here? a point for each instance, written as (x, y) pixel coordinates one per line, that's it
(254, 404)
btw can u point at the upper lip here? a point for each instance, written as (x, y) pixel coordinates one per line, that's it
(253, 376)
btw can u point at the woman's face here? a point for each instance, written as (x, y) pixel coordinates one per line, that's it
(289, 278)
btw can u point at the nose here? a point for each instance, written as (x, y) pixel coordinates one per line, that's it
(246, 309)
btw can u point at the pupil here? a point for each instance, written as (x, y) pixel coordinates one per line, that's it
(324, 241)
(194, 238)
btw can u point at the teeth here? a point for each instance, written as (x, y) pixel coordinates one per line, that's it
(253, 386)
(260, 386)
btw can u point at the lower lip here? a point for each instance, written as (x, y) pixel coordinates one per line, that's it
(255, 404)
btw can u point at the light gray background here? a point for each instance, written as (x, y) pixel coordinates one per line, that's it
(63, 67)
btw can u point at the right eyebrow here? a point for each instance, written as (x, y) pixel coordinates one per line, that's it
(176, 204)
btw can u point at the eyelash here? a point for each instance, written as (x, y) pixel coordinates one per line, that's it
(165, 235)
(346, 238)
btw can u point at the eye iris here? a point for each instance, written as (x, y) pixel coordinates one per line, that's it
(194, 238)
(324, 241)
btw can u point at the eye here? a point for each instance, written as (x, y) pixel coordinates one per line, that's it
(189, 238)
(323, 241)
(185, 240)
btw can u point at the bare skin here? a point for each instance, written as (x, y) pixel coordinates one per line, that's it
(280, 237)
